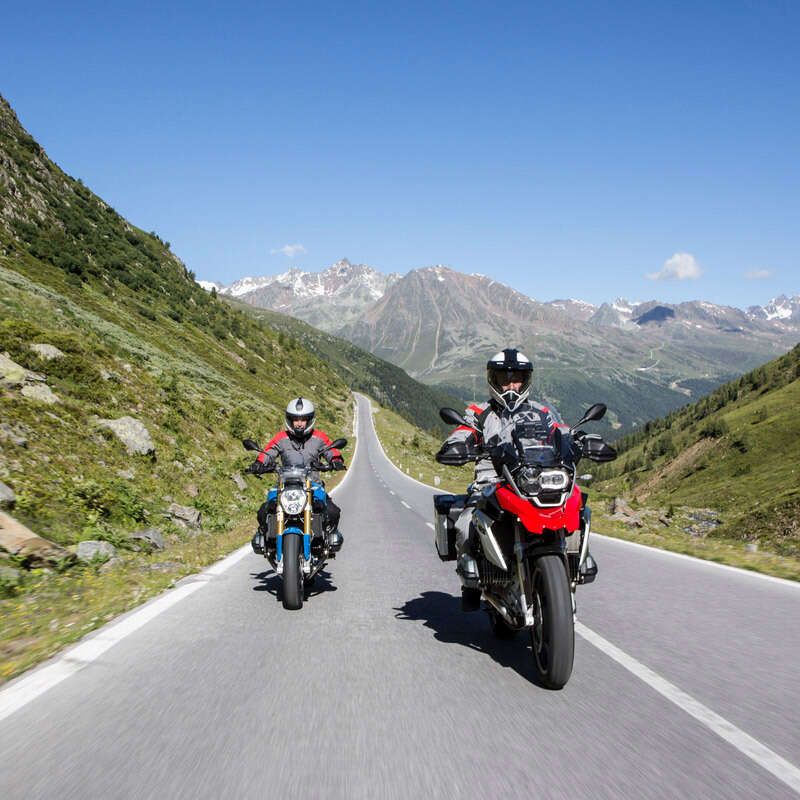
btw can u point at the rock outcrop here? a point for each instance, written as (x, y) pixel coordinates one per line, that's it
(7, 496)
(48, 352)
(186, 517)
(132, 433)
(32, 549)
(94, 550)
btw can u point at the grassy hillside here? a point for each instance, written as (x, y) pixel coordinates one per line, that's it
(136, 338)
(412, 450)
(418, 403)
(736, 453)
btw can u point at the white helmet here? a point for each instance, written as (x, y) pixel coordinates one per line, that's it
(300, 408)
(509, 366)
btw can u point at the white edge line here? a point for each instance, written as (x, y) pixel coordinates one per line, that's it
(389, 460)
(768, 759)
(355, 449)
(748, 572)
(29, 686)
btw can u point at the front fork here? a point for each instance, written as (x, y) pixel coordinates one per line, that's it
(280, 526)
(526, 590)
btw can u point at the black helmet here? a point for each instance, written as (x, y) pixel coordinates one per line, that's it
(509, 366)
(300, 408)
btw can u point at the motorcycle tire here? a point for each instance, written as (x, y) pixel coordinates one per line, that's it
(292, 573)
(553, 632)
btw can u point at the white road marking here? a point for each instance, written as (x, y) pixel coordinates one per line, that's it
(355, 450)
(390, 491)
(781, 768)
(712, 564)
(29, 687)
(431, 526)
(20, 692)
(403, 502)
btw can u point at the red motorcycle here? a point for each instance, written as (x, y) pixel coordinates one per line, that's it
(532, 548)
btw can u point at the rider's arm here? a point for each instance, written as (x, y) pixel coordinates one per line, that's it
(333, 454)
(464, 442)
(270, 452)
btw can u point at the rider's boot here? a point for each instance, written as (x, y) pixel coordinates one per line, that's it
(467, 569)
(588, 570)
(257, 542)
(335, 540)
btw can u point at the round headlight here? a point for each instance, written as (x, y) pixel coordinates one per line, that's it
(293, 501)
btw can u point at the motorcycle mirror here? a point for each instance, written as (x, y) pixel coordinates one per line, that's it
(451, 416)
(337, 444)
(251, 444)
(593, 413)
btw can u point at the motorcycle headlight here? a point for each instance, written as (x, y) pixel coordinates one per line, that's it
(528, 480)
(553, 480)
(293, 501)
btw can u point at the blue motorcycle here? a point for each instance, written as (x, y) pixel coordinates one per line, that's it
(296, 544)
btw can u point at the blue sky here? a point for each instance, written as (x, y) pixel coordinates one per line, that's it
(567, 149)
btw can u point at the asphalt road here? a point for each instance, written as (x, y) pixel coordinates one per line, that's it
(685, 682)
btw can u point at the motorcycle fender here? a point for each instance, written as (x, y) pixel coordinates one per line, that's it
(491, 549)
(289, 532)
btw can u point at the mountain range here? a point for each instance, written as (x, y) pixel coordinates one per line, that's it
(642, 358)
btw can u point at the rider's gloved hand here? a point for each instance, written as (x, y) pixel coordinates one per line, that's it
(338, 463)
(259, 467)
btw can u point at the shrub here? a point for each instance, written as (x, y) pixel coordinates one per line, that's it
(714, 428)
(238, 424)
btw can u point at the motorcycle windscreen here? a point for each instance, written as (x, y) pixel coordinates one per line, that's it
(543, 456)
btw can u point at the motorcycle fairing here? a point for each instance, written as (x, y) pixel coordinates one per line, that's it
(491, 549)
(534, 519)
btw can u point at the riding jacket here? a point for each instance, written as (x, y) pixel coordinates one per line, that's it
(531, 424)
(298, 452)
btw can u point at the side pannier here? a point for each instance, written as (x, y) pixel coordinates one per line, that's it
(447, 507)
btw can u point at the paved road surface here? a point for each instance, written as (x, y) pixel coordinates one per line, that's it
(381, 688)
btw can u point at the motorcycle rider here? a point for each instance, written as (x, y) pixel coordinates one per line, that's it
(494, 432)
(299, 445)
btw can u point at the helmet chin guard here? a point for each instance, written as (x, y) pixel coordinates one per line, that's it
(506, 367)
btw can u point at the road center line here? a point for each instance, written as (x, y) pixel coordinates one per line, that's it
(781, 768)
(431, 526)
(403, 502)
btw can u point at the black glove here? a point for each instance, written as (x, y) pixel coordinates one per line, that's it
(338, 464)
(259, 467)
(504, 453)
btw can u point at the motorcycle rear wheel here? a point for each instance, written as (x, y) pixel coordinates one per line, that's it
(553, 632)
(292, 573)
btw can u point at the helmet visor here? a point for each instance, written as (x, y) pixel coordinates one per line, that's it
(502, 378)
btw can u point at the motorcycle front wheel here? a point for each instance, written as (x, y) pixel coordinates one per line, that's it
(553, 631)
(292, 573)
